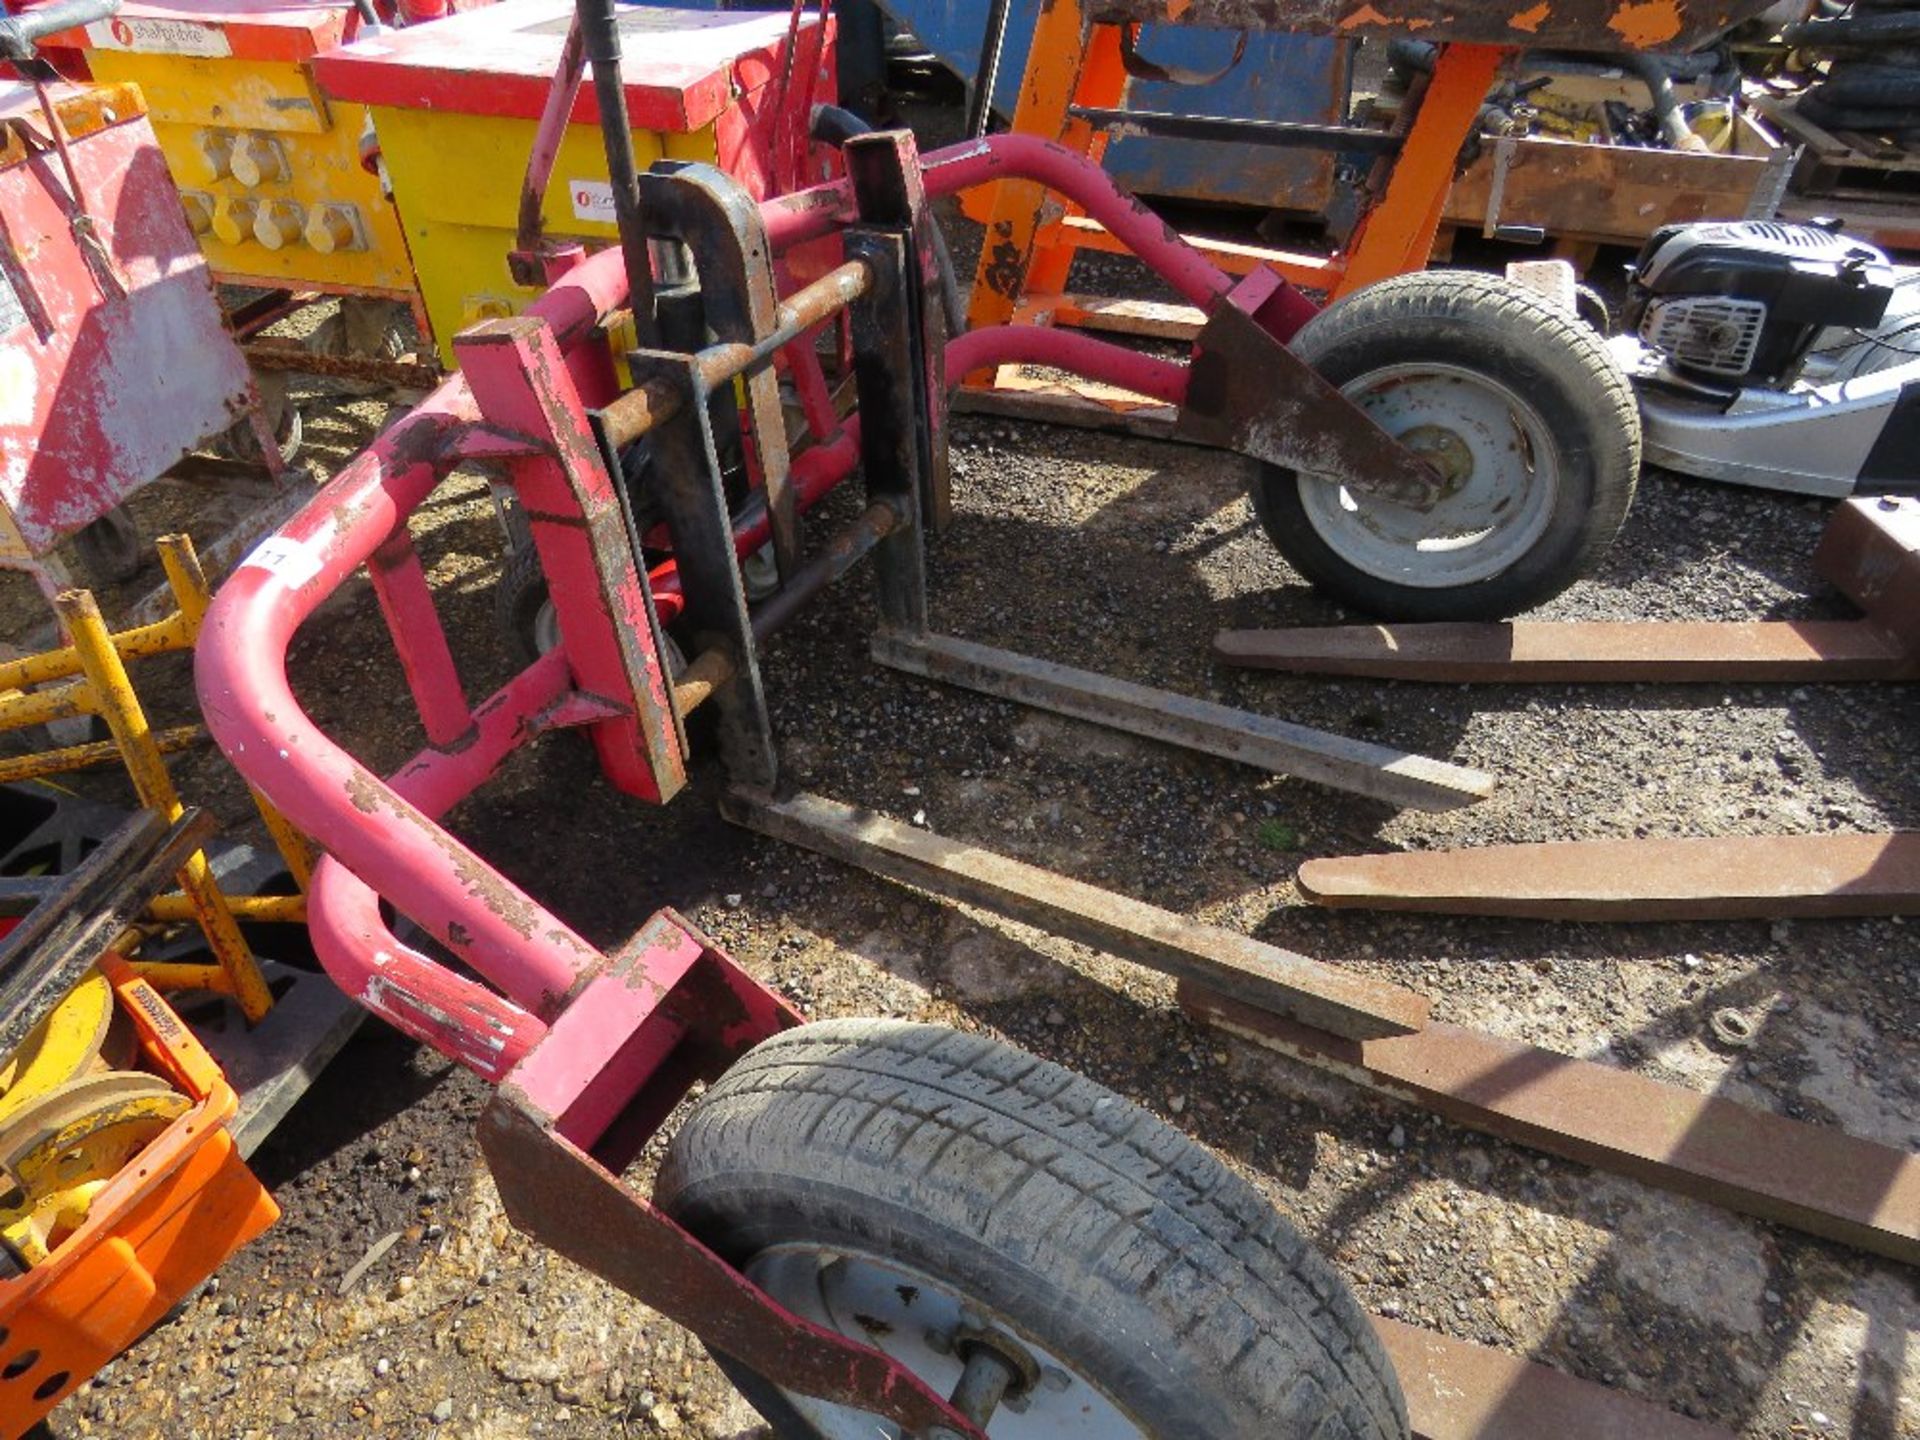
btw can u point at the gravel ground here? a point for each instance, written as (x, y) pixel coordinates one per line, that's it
(1125, 556)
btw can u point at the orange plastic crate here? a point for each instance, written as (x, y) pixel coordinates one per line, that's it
(162, 1225)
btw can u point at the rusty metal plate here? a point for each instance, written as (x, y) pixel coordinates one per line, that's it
(1232, 963)
(1605, 25)
(1871, 554)
(1250, 394)
(562, 1197)
(1549, 652)
(1457, 1390)
(1737, 878)
(1812, 1177)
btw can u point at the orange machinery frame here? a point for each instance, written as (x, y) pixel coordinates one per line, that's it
(1031, 240)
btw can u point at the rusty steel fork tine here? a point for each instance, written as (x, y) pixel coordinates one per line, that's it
(1744, 877)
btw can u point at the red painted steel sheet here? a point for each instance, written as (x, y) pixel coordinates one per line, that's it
(683, 67)
(107, 375)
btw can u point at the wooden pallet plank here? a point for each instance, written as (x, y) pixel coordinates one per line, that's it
(1149, 319)
(1047, 402)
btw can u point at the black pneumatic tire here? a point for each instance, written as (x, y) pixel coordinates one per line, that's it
(519, 598)
(1130, 1253)
(1488, 326)
(1871, 87)
(1854, 32)
(111, 547)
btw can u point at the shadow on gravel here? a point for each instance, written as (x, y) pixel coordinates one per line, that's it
(379, 1074)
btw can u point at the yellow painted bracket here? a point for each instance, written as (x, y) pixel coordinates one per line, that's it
(94, 669)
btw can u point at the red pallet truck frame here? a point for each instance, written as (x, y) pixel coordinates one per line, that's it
(591, 1052)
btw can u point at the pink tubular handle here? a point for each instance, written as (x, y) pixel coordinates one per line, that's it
(381, 838)
(385, 834)
(809, 214)
(486, 1032)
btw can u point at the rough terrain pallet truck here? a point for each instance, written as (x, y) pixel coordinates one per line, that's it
(877, 1228)
(593, 1051)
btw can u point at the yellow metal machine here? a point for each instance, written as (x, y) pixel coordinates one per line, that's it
(456, 105)
(269, 169)
(268, 113)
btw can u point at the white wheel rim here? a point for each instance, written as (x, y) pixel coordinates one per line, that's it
(546, 628)
(1503, 480)
(546, 635)
(910, 1316)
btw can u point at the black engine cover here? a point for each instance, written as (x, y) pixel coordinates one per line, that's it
(1805, 276)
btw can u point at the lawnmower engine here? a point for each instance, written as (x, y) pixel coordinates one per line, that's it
(1785, 356)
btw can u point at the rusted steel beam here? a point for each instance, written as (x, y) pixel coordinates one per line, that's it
(1588, 650)
(290, 355)
(1255, 973)
(1457, 1390)
(263, 310)
(56, 941)
(1870, 553)
(1123, 123)
(1415, 782)
(1603, 25)
(1737, 878)
(1811, 1177)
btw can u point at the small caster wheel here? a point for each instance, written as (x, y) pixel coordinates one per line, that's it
(524, 613)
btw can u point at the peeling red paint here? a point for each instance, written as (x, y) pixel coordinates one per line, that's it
(116, 363)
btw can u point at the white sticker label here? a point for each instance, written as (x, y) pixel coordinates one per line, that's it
(159, 37)
(592, 200)
(288, 560)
